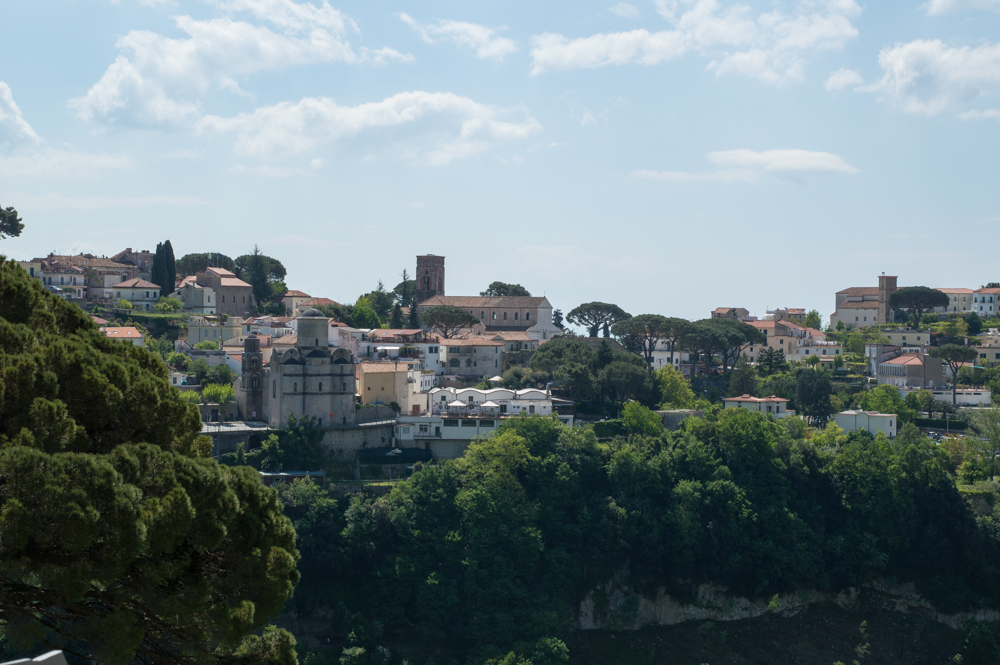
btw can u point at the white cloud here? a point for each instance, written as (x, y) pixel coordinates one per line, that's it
(482, 39)
(587, 119)
(787, 161)
(944, 6)
(14, 129)
(771, 46)
(48, 163)
(843, 79)
(988, 114)
(53, 201)
(625, 10)
(160, 81)
(928, 77)
(750, 166)
(453, 127)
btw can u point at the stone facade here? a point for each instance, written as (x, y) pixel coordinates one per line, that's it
(429, 277)
(311, 378)
(252, 383)
(234, 297)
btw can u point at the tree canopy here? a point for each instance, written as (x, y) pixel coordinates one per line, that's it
(917, 299)
(163, 271)
(10, 223)
(448, 320)
(596, 315)
(499, 289)
(954, 355)
(705, 338)
(644, 332)
(191, 264)
(120, 535)
(263, 273)
(813, 319)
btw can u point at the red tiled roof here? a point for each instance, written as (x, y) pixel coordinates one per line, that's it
(136, 283)
(867, 304)
(755, 400)
(295, 294)
(319, 301)
(906, 359)
(859, 291)
(122, 333)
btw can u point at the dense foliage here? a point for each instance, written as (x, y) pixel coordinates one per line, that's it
(119, 537)
(495, 550)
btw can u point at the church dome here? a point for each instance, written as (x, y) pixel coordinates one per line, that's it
(312, 313)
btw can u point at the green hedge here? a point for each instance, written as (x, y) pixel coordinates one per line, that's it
(940, 423)
(607, 428)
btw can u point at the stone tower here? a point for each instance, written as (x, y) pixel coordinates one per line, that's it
(886, 287)
(429, 277)
(252, 380)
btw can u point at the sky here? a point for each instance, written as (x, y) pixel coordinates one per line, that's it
(670, 156)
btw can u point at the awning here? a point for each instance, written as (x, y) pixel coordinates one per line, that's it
(457, 403)
(496, 379)
(491, 404)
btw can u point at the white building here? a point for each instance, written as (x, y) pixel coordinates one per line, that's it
(129, 334)
(963, 396)
(986, 302)
(458, 415)
(196, 298)
(872, 422)
(776, 406)
(140, 293)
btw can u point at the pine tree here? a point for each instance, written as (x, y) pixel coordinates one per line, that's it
(414, 320)
(396, 320)
(157, 272)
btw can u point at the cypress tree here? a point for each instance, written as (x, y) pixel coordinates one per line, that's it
(414, 321)
(156, 271)
(170, 271)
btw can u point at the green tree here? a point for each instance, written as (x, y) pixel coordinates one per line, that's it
(974, 323)
(207, 345)
(413, 319)
(163, 271)
(216, 393)
(191, 264)
(704, 339)
(448, 320)
(624, 381)
(381, 301)
(166, 305)
(954, 355)
(838, 362)
(813, 319)
(364, 315)
(406, 290)
(396, 320)
(596, 315)
(221, 374)
(557, 319)
(145, 537)
(500, 289)
(886, 399)
(812, 394)
(259, 271)
(675, 390)
(986, 424)
(917, 299)
(738, 337)
(644, 332)
(744, 379)
(200, 369)
(518, 378)
(771, 361)
(10, 223)
(637, 419)
(121, 303)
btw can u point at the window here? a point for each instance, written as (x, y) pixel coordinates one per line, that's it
(451, 423)
(468, 362)
(223, 299)
(274, 388)
(531, 409)
(494, 316)
(486, 423)
(468, 423)
(454, 362)
(321, 387)
(515, 316)
(244, 300)
(505, 316)
(369, 387)
(482, 315)
(296, 388)
(527, 316)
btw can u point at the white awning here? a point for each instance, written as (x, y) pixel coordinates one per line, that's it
(490, 404)
(496, 379)
(457, 403)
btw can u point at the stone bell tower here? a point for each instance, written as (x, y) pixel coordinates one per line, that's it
(252, 380)
(429, 277)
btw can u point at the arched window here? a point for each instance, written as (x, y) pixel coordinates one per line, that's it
(321, 387)
(515, 316)
(505, 316)
(482, 315)
(274, 388)
(295, 387)
(527, 316)
(316, 342)
(455, 362)
(494, 316)
(468, 362)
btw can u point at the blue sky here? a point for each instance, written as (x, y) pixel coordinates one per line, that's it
(671, 156)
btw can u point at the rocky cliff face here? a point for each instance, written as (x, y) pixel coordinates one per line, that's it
(617, 607)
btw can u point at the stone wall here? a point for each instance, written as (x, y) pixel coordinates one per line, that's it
(343, 442)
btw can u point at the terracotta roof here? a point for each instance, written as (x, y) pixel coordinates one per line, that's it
(859, 291)
(906, 359)
(990, 291)
(190, 279)
(763, 324)
(392, 332)
(960, 291)
(122, 333)
(233, 281)
(383, 368)
(221, 272)
(514, 336)
(510, 302)
(816, 333)
(88, 261)
(796, 310)
(867, 304)
(136, 283)
(469, 341)
(751, 398)
(319, 301)
(98, 320)
(295, 294)
(286, 340)
(722, 310)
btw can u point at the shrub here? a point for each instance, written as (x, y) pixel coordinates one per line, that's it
(217, 393)
(207, 345)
